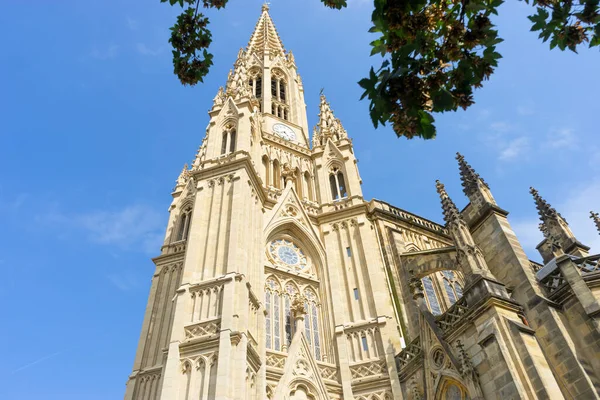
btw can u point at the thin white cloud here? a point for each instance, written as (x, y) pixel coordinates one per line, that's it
(525, 110)
(132, 24)
(501, 127)
(124, 281)
(105, 54)
(564, 138)
(513, 149)
(137, 227)
(146, 51)
(575, 207)
(31, 364)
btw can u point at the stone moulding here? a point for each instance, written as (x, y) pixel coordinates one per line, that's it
(202, 329)
(369, 368)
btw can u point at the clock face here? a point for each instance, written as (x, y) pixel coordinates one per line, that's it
(284, 131)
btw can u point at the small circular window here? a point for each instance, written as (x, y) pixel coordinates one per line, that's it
(287, 254)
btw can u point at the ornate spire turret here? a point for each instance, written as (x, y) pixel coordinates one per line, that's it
(328, 127)
(474, 187)
(468, 255)
(265, 39)
(545, 210)
(556, 231)
(183, 177)
(237, 82)
(596, 218)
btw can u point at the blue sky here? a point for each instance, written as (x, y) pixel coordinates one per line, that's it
(94, 129)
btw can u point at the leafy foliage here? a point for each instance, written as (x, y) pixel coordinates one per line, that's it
(190, 38)
(435, 52)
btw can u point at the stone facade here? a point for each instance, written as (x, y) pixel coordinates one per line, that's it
(278, 280)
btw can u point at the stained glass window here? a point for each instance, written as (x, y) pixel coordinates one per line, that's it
(268, 318)
(287, 254)
(451, 286)
(432, 299)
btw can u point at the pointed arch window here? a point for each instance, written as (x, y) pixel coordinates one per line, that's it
(183, 227)
(282, 287)
(430, 296)
(272, 306)
(279, 106)
(452, 286)
(232, 139)
(311, 322)
(337, 184)
(229, 136)
(224, 143)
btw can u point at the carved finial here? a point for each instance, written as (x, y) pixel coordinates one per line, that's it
(545, 210)
(470, 179)
(451, 213)
(596, 218)
(183, 176)
(328, 127)
(265, 6)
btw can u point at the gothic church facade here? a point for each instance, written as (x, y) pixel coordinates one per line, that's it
(278, 280)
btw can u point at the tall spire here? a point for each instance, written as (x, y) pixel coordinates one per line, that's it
(545, 210)
(451, 213)
(468, 255)
(328, 127)
(596, 218)
(556, 231)
(265, 38)
(470, 179)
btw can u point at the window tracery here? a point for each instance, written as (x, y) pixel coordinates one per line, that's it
(183, 227)
(279, 106)
(337, 183)
(280, 294)
(229, 137)
(442, 290)
(255, 84)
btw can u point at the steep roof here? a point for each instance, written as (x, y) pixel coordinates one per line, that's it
(265, 36)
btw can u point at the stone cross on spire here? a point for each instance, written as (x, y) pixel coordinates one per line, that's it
(596, 218)
(468, 255)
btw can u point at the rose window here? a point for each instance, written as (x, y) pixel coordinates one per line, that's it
(287, 254)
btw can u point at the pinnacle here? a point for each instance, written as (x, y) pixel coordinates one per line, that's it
(596, 218)
(328, 126)
(470, 179)
(545, 210)
(265, 37)
(451, 213)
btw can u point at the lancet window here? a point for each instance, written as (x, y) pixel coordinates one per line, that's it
(183, 226)
(255, 83)
(280, 293)
(228, 139)
(279, 106)
(279, 323)
(337, 183)
(442, 290)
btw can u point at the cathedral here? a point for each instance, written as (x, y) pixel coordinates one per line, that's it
(278, 280)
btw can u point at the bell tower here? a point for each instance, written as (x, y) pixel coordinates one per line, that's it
(270, 283)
